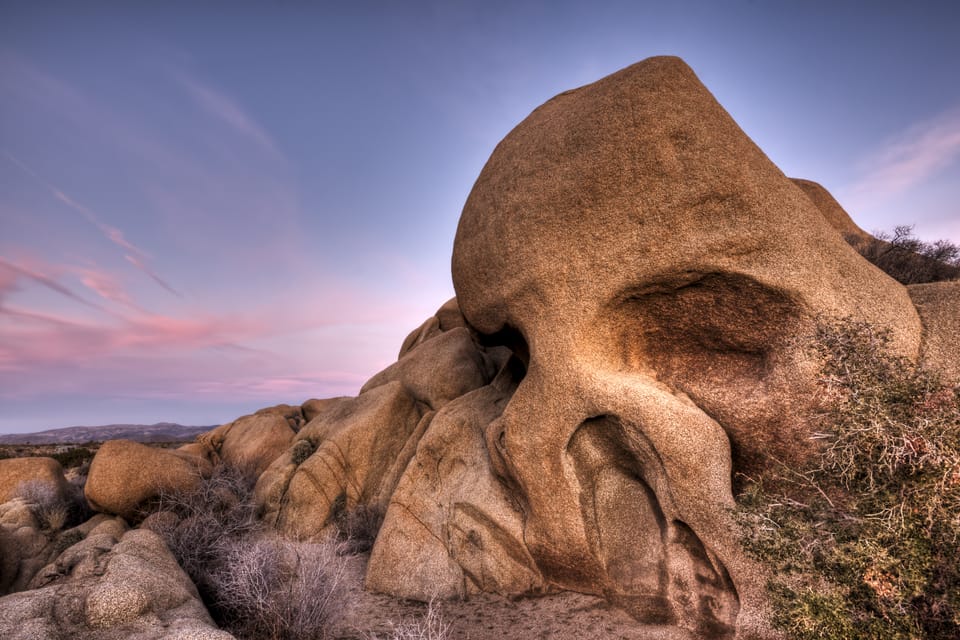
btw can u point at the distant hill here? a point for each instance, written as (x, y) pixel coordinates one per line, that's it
(160, 432)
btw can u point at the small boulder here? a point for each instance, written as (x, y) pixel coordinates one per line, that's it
(16, 472)
(441, 369)
(255, 441)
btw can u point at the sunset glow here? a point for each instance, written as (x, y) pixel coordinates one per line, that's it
(208, 211)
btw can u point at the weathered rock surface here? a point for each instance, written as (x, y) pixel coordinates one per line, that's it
(939, 306)
(452, 528)
(24, 548)
(351, 453)
(830, 209)
(109, 587)
(125, 474)
(442, 368)
(15, 472)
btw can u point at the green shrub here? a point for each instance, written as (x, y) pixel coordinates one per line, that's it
(302, 450)
(908, 259)
(863, 542)
(74, 457)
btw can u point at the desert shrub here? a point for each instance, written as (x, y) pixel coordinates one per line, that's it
(205, 521)
(271, 588)
(357, 527)
(863, 542)
(74, 457)
(302, 450)
(254, 585)
(53, 510)
(907, 258)
(429, 627)
(45, 503)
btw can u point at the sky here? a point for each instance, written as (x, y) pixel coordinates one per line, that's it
(205, 210)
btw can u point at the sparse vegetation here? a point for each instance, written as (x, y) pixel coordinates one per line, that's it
(45, 503)
(358, 527)
(73, 457)
(863, 542)
(302, 450)
(430, 627)
(255, 586)
(279, 589)
(52, 510)
(908, 259)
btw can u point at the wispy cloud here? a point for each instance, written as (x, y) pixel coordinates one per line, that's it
(226, 110)
(909, 159)
(105, 285)
(43, 279)
(135, 255)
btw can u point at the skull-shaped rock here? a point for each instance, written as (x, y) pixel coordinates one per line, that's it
(652, 267)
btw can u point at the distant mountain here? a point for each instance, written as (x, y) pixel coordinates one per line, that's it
(160, 432)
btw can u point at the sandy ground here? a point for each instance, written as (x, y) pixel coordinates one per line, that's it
(564, 616)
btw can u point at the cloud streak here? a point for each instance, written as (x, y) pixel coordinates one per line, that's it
(44, 280)
(910, 158)
(134, 254)
(226, 110)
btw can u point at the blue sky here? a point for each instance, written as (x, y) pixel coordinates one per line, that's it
(207, 210)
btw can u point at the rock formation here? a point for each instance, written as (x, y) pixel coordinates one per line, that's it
(634, 278)
(111, 584)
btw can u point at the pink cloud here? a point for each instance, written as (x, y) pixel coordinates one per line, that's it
(105, 285)
(909, 159)
(47, 281)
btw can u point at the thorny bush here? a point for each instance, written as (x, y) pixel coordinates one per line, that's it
(863, 542)
(255, 585)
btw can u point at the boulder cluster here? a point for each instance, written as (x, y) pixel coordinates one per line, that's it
(634, 278)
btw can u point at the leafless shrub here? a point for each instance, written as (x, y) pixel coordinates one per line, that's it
(358, 527)
(430, 627)
(45, 503)
(907, 258)
(254, 586)
(278, 589)
(197, 525)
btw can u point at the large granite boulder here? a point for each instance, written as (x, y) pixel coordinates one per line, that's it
(125, 474)
(349, 455)
(658, 268)
(831, 210)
